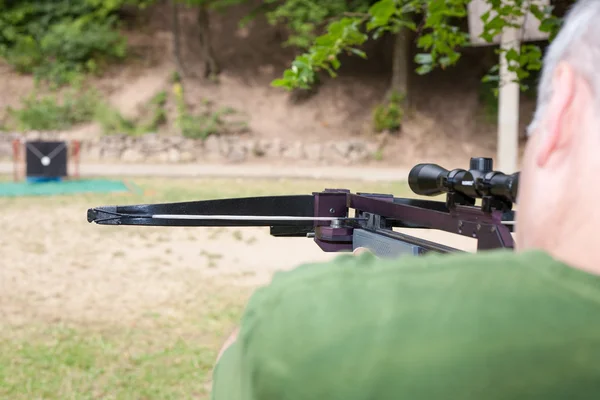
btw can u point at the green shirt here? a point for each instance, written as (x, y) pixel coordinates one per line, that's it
(486, 326)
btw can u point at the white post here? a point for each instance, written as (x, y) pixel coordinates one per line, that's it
(508, 111)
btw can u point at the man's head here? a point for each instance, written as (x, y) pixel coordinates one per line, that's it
(562, 161)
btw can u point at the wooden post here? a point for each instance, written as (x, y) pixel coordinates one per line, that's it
(508, 108)
(509, 92)
(76, 151)
(16, 158)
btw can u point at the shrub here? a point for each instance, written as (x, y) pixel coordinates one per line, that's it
(59, 39)
(205, 123)
(50, 112)
(388, 116)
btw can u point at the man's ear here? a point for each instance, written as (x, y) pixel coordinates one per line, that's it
(563, 90)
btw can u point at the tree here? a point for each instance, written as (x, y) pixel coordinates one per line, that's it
(211, 65)
(304, 20)
(436, 25)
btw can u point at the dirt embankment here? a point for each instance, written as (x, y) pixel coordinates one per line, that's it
(446, 120)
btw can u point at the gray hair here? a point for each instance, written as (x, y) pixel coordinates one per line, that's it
(578, 43)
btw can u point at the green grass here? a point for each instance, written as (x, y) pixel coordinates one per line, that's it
(157, 356)
(162, 358)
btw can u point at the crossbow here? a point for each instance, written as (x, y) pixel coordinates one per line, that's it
(327, 216)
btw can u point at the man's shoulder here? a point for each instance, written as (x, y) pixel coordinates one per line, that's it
(367, 275)
(370, 321)
(346, 267)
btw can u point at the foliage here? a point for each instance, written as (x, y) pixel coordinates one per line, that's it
(489, 101)
(153, 116)
(216, 5)
(388, 116)
(51, 112)
(75, 105)
(342, 35)
(113, 122)
(157, 112)
(488, 95)
(205, 123)
(60, 39)
(437, 24)
(304, 18)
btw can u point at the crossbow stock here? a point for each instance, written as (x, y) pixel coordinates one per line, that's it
(326, 216)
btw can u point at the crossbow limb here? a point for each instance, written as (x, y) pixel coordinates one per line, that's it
(326, 216)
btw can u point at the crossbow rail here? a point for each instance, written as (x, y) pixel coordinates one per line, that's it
(326, 216)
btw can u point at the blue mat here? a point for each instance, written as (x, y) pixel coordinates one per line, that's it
(43, 179)
(50, 188)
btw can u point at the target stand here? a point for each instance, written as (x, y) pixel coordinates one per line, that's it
(45, 161)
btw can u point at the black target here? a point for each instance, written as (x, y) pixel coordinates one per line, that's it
(46, 159)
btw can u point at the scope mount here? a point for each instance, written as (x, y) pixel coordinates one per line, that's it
(480, 173)
(488, 203)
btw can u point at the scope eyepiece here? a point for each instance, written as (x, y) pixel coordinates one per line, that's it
(500, 185)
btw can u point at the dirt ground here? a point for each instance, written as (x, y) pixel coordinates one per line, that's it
(96, 273)
(57, 267)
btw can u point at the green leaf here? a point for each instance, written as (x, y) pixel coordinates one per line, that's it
(512, 55)
(491, 78)
(381, 12)
(423, 58)
(358, 52)
(425, 41)
(424, 69)
(445, 61)
(335, 63)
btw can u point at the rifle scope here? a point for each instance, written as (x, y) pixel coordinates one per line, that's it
(479, 181)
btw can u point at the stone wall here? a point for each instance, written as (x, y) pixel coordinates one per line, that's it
(153, 148)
